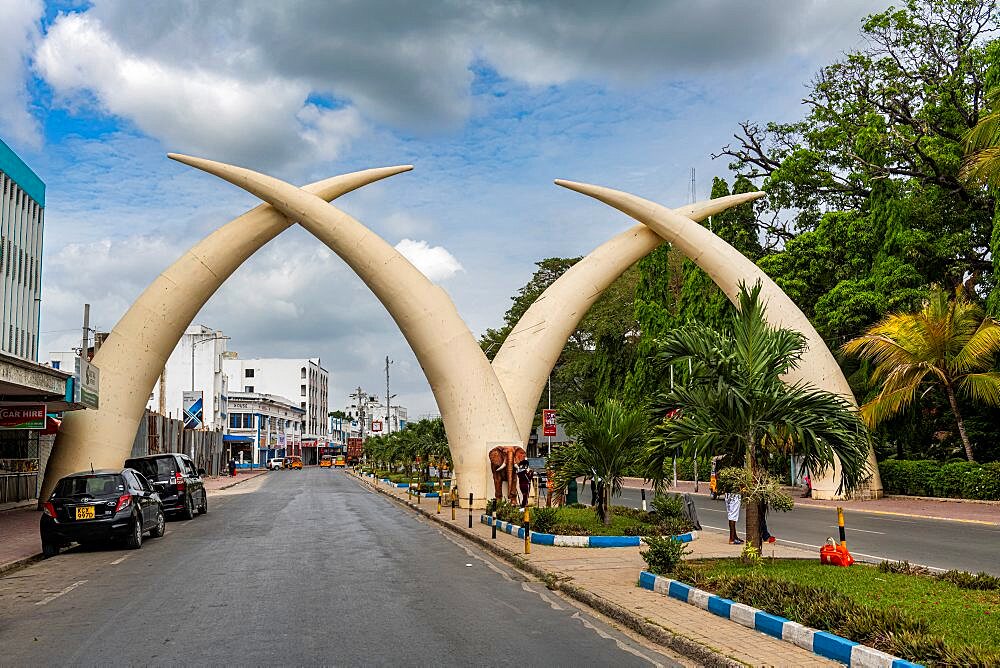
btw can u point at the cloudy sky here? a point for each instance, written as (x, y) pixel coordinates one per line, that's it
(489, 101)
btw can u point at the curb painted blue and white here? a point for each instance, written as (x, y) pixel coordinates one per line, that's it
(819, 642)
(576, 541)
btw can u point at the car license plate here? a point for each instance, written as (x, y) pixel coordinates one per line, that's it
(85, 513)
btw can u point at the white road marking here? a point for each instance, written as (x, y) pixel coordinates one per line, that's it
(881, 533)
(712, 510)
(49, 599)
(120, 560)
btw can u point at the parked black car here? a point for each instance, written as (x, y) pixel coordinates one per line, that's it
(97, 506)
(180, 485)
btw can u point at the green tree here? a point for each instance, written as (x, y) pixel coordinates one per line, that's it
(882, 144)
(948, 344)
(609, 437)
(736, 403)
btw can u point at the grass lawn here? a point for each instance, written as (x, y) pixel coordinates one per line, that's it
(962, 616)
(588, 519)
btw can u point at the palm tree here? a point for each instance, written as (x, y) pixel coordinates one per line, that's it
(949, 343)
(736, 402)
(609, 437)
(982, 147)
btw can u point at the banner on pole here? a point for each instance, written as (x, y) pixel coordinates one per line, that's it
(194, 409)
(548, 422)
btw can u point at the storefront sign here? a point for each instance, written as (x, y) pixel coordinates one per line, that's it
(86, 383)
(28, 416)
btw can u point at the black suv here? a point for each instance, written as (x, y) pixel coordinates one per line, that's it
(175, 478)
(95, 506)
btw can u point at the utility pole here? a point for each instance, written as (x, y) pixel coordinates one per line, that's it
(361, 397)
(86, 332)
(388, 420)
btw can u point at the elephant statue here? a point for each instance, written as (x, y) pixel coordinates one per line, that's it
(503, 459)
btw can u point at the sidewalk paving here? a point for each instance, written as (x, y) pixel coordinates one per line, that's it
(956, 510)
(611, 575)
(20, 542)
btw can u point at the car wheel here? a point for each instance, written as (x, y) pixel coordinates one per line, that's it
(188, 508)
(161, 525)
(204, 503)
(134, 540)
(49, 549)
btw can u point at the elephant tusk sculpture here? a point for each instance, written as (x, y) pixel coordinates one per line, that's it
(533, 346)
(469, 396)
(137, 349)
(728, 268)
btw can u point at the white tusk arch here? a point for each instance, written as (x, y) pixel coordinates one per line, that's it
(728, 268)
(134, 354)
(471, 400)
(534, 344)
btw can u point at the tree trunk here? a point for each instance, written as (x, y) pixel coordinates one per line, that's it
(961, 423)
(606, 495)
(753, 524)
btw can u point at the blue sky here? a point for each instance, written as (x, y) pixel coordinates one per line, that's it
(489, 102)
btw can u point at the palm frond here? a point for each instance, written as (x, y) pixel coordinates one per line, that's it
(984, 387)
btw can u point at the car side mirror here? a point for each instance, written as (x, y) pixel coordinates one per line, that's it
(201, 471)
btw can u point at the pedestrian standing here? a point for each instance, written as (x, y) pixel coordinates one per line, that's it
(809, 488)
(524, 476)
(232, 467)
(733, 503)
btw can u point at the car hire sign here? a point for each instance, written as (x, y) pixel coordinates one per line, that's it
(27, 416)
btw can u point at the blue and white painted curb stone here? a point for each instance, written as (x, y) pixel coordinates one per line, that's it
(819, 642)
(577, 541)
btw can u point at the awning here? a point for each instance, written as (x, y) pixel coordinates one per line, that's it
(233, 438)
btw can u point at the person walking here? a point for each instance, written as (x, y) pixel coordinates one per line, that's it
(733, 503)
(232, 468)
(809, 488)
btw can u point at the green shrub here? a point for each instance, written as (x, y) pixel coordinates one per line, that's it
(505, 511)
(963, 580)
(958, 479)
(543, 519)
(667, 506)
(577, 505)
(674, 526)
(663, 554)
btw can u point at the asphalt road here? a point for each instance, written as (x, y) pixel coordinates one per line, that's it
(298, 568)
(937, 544)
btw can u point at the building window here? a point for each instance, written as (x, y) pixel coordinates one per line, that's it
(248, 420)
(303, 372)
(248, 373)
(302, 390)
(248, 388)
(235, 420)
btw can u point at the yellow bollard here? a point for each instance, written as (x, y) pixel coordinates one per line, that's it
(439, 503)
(527, 529)
(840, 526)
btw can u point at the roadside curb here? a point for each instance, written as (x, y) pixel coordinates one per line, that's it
(18, 564)
(578, 541)
(703, 654)
(239, 482)
(824, 644)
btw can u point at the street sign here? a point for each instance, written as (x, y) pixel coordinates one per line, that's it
(376, 426)
(86, 383)
(194, 408)
(548, 422)
(25, 416)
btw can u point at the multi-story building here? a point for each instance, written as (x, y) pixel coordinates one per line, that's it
(368, 417)
(263, 426)
(194, 366)
(302, 380)
(22, 207)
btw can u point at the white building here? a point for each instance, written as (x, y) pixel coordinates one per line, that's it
(22, 208)
(195, 365)
(263, 426)
(301, 380)
(372, 413)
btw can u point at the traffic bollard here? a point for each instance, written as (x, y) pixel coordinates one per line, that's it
(454, 497)
(527, 530)
(643, 499)
(439, 503)
(840, 526)
(418, 493)
(470, 510)
(493, 521)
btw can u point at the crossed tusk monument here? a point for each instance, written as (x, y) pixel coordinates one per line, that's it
(483, 405)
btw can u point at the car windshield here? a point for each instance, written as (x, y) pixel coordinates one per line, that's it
(91, 485)
(159, 469)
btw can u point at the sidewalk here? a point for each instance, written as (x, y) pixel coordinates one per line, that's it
(20, 543)
(958, 510)
(605, 579)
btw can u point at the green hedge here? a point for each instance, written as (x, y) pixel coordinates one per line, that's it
(959, 480)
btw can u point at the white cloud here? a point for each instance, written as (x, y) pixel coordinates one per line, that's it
(18, 32)
(191, 109)
(436, 263)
